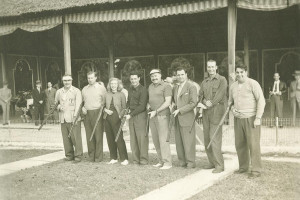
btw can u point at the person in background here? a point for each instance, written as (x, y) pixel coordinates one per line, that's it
(295, 94)
(5, 97)
(39, 98)
(50, 101)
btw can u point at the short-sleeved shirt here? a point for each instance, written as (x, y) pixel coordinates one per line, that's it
(93, 96)
(157, 95)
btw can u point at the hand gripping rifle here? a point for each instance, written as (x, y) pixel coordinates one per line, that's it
(76, 119)
(50, 113)
(198, 115)
(97, 121)
(220, 124)
(123, 120)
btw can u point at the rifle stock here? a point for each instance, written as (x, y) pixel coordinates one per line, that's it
(76, 119)
(50, 113)
(220, 124)
(122, 124)
(97, 121)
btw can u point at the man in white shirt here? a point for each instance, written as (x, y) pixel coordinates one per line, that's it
(276, 96)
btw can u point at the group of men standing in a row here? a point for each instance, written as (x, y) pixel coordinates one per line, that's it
(160, 102)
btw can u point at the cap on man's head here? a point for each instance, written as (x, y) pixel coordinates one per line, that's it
(296, 73)
(153, 71)
(37, 82)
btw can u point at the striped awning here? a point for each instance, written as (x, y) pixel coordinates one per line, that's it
(266, 5)
(31, 25)
(144, 13)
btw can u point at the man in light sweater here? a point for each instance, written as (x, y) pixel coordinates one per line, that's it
(248, 107)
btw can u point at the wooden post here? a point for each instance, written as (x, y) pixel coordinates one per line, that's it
(3, 66)
(111, 60)
(67, 47)
(246, 52)
(232, 20)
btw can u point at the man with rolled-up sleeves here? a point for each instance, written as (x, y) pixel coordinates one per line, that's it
(69, 98)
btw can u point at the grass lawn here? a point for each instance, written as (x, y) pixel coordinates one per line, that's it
(86, 180)
(11, 155)
(279, 181)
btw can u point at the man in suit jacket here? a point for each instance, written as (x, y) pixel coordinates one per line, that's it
(185, 98)
(276, 96)
(295, 94)
(50, 101)
(39, 97)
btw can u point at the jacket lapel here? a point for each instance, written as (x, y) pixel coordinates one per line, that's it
(183, 89)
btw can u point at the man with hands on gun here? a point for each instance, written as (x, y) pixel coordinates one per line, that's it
(160, 95)
(137, 102)
(213, 96)
(94, 98)
(69, 98)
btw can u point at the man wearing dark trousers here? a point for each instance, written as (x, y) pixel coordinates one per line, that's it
(248, 107)
(137, 102)
(213, 96)
(185, 98)
(94, 98)
(39, 98)
(276, 96)
(69, 99)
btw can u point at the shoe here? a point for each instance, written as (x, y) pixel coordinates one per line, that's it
(112, 162)
(208, 167)
(125, 162)
(5, 124)
(254, 175)
(68, 159)
(190, 166)
(166, 167)
(157, 165)
(240, 171)
(77, 160)
(217, 170)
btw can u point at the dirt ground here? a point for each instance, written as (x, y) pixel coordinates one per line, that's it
(11, 155)
(86, 180)
(278, 181)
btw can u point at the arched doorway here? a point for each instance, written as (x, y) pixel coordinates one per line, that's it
(53, 74)
(23, 76)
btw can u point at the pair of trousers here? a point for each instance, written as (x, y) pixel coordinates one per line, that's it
(214, 153)
(159, 126)
(39, 113)
(74, 141)
(185, 144)
(276, 106)
(247, 140)
(139, 140)
(95, 147)
(112, 125)
(5, 109)
(294, 105)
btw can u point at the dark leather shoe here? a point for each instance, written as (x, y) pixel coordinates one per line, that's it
(240, 171)
(254, 175)
(217, 170)
(68, 159)
(77, 160)
(208, 167)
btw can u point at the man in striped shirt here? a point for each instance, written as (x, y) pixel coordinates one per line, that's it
(248, 107)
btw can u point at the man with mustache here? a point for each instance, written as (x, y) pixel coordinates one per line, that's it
(160, 95)
(248, 107)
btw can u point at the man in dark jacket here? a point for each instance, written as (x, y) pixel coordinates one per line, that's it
(39, 97)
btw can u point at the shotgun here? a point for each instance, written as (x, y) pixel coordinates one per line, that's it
(50, 113)
(76, 119)
(97, 121)
(123, 120)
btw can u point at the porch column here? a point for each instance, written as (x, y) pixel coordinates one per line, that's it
(111, 60)
(246, 51)
(67, 47)
(3, 66)
(232, 20)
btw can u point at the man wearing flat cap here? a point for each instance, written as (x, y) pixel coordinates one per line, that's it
(160, 96)
(295, 94)
(39, 97)
(5, 96)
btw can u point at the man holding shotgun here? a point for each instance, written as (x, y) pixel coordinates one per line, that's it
(69, 98)
(94, 98)
(213, 96)
(248, 107)
(137, 102)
